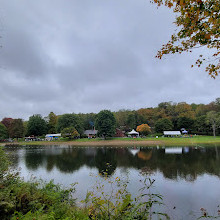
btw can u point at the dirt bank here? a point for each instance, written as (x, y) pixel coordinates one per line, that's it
(91, 143)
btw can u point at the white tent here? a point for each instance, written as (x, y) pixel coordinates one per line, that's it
(133, 133)
(53, 135)
(50, 137)
(171, 133)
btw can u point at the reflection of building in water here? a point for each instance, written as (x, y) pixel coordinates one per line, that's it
(186, 150)
(173, 150)
(134, 151)
(203, 150)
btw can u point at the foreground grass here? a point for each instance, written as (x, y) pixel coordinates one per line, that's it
(153, 141)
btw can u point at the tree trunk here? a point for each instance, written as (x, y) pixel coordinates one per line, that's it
(214, 128)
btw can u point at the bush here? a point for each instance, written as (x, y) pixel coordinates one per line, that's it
(33, 199)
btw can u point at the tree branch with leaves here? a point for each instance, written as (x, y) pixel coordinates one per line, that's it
(199, 23)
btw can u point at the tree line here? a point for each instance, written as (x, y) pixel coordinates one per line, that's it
(201, 119)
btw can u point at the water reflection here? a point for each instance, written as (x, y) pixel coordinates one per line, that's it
(174, 163)
(187, 177)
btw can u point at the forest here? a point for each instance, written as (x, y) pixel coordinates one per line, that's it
(201, 119)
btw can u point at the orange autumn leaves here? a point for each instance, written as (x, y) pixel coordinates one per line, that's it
(198, 23)
(144, 129)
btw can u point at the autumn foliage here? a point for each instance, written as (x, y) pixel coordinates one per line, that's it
(144, 129)
(198, 23)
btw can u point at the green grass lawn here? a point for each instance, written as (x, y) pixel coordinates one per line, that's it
(165, 140)
(189, 140)
(154, 141)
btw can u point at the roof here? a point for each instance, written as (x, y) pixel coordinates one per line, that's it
(133, 132)
(171, 133)
(87, 132)
(53, 135)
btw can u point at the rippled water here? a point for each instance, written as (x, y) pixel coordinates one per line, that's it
(187, 177)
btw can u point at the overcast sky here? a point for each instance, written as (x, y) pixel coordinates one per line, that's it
(87, 55)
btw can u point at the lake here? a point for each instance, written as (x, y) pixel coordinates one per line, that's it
(188, 178)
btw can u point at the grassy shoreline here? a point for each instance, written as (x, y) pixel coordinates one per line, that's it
(161, 141)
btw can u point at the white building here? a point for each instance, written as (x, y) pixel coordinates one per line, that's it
(50, 137)
(171, 133)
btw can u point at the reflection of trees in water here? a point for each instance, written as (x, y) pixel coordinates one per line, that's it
(34, 159)
(106, 161)
(173, 166)
(69, 160)
(187, 165)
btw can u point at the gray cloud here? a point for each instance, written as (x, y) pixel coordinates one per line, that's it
(84, 56)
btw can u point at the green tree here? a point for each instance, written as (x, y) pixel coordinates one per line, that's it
(132, 120)
(69, 120)
(3, 132)
(105, 123)
(213, 119)
(17, 128)
(198, 26)
(201, 124)
(52, 123)
(121, 118)
(163, 124)
(88, 120)
(217, 103)
(184, 110)
(25, 123)
(201, 110)
(36, 125)
(146, 115)
(184, 122)
(70, 132)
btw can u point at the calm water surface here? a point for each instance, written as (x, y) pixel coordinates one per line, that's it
(187, 177)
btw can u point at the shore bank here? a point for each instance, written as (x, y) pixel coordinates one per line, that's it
(161, 141)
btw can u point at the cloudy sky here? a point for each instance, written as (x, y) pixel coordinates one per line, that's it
(87, 55)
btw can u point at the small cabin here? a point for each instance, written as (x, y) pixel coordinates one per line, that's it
(119, 133)
(91, 133)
